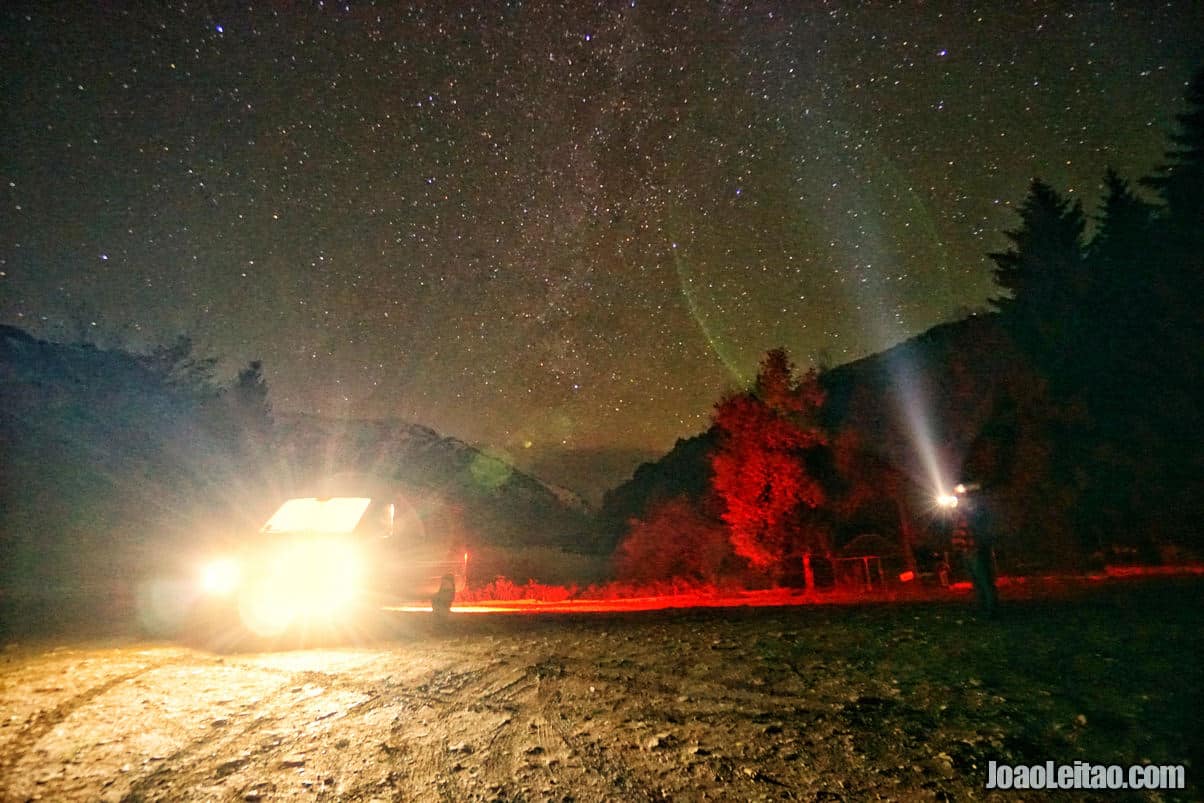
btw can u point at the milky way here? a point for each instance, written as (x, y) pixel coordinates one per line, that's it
(548, 228)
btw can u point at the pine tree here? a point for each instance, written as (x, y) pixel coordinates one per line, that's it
(1046, 253)
(760, 468)
(1180, 180)
(1177, 283)
(1123, 226)
(1046, 273)
(1121, 308)
(1174, 383)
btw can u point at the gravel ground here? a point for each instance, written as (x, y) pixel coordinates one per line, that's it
(903, 701)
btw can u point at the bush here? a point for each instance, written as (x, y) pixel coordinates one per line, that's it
(503, 589)
(675, 542)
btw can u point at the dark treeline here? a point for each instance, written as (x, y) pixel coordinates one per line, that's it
(1075, 404)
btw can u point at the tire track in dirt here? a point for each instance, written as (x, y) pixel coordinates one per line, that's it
(192, 760)
(445, 692)
(45, 721)
(502, 746)
(508, 720)
(621, 778)
(201, 760)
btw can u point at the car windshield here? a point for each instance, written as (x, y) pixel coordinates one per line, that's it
(333, 515)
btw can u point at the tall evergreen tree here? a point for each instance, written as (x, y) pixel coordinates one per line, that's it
(1046, 250)
(1178, 283)
(1123, 225)
(1180, 180)
(1171, 397)
(1122, 306)
(1046, 273)
(760, 467)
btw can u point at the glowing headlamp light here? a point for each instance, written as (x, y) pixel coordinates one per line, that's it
(220, 577)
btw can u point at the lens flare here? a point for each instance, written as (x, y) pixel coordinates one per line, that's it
(220, 577)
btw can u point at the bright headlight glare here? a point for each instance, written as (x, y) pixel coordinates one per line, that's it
(317, 577)
(220, 576)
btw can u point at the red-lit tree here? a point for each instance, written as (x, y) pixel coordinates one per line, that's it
(760, 467)
(674, 540)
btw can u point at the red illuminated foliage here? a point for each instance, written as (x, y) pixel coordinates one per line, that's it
(760, 468)
(673, 541)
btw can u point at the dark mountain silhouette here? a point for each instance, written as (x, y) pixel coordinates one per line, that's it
(113, 463)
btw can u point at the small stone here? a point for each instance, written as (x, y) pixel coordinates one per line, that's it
(219, 722)
(293, 760)
(1081, 721)
(459, 747)
(658, 741)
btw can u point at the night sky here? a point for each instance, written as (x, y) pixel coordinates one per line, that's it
(558, 230)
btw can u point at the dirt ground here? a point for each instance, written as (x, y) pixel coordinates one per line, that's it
(902, 701)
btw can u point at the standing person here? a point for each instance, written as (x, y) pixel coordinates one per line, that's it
(976, 554)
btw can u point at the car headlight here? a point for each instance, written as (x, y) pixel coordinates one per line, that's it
(220, 577)
(315, 577)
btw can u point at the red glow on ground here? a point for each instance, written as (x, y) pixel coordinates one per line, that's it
(559, 599)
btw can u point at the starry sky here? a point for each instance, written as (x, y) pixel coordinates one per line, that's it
(558, 230)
